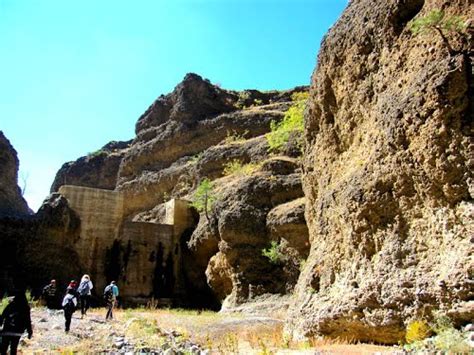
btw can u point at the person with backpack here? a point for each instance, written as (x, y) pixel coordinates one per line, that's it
(15, 319)
(50, 295)
(69, 305)
(84, 290)
(111, 293)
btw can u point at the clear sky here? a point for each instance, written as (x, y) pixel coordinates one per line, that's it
(75, 75)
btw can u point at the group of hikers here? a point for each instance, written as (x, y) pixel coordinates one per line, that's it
(16, 318)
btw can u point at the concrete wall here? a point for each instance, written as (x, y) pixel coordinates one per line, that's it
(101, 213)
(144, 258)
(145, 255)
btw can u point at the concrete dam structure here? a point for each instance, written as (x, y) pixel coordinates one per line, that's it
(144, 258)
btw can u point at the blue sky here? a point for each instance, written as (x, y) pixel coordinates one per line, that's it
(78, 74)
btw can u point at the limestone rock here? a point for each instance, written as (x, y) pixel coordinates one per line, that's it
(11, 200)
(98, 169)
(34, 249)
(387, 175)
(239, 221)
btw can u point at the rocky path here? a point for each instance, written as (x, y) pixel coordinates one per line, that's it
(93, 335)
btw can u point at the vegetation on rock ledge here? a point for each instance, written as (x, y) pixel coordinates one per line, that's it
(291, 125)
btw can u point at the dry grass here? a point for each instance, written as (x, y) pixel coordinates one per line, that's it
(223, 333)
(226, 333)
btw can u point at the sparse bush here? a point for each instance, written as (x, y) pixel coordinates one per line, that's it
(243, 97)
(291, 125)
(235, 167)
(446, 339)
(439, 22)
(97, 153)
(299, 96)
(235, 137)
(274, 253)
(204, 197)
(417, 330)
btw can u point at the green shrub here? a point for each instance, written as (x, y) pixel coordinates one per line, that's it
(204, 197)
(449, 338)
(440, 23)
(437, 19)
(291, 125)
(274, 253)
(235, 167)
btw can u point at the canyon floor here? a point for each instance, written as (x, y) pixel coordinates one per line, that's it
(174, 332)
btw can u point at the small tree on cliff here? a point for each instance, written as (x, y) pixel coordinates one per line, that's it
(291, 125)
(440, 23)
(204, 197)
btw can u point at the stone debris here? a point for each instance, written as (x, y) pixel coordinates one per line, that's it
(108, 337)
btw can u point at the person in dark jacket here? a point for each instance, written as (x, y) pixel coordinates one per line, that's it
(15, 319)
(50, 295)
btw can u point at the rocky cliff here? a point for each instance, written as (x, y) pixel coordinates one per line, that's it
(194, 133)
(388, 175)
(98, 169)
(11, 200)
(33, 248)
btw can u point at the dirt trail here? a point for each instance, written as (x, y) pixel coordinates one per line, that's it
(173, 332)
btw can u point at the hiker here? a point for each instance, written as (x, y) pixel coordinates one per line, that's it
(50, 295)
(111, 293)
(69, 305)
(15, 320)
(84, 289)
(72, 287)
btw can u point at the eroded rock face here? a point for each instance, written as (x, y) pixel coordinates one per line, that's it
(238, 228)
(388, 176)
(34, 249)
(188, 135)
(98, 169)
(11, 200)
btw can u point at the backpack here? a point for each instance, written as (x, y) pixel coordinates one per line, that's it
(70, 306)
(11, 320)
(108, 293)
(84, 288)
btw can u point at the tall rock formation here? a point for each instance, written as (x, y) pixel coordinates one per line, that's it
(188, 135)
(11, 200)
(33, 248)
(388, 175)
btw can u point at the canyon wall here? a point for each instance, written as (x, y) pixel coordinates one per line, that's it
(33, 248)
(388, 175)
(11, 199)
